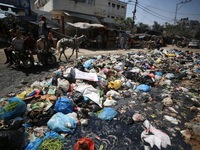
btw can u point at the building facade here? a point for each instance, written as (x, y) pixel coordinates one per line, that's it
(116, 9)
(190, 24)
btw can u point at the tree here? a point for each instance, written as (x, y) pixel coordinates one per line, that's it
(178, 30)
(142, 27)
(157, 27)
(126, 23)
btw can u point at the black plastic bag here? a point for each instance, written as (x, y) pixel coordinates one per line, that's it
(95, 107)
(12, 125)
(77, 97)
(42, 119)
(180, 76)
(11, 139)
(79, 66)
(71, 76)
(82, 114)
(55, 79)
(146, 80)
(131, 75)
(127, 119)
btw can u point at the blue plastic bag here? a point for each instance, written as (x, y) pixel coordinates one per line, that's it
(88, 63)
(158, 73)
(52, 134)
(18, 111)
(34, 145)
(107, 114)
(64, 105)
(61, 122)
(143, 87)
(169, 76)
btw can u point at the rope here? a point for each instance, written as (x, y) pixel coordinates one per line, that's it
(62, 34)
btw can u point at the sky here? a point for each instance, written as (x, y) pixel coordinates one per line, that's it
(148, 11)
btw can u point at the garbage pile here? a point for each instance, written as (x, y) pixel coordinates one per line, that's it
(126, 101)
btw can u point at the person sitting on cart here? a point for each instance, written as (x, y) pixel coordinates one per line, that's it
(17, 44)
(30, 45)
(41, 47)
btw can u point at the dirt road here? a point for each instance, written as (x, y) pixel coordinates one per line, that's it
(12, 80)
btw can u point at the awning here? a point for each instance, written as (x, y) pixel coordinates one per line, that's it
(84, 25)
(82, 16)
(28, 18)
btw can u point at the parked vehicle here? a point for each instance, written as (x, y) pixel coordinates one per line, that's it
(49, 57)
(194, 44)
(22, 59)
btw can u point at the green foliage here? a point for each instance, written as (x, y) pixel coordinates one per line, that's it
(178, 30)
(126, 22)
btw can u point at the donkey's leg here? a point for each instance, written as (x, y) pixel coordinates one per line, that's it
(60, 54)
(71, 54)
(65, 56)
(77, 50)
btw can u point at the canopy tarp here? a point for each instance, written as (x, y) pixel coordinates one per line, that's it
(82, 16)
(84, 25)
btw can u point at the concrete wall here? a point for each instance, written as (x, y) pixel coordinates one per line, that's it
(99, 8)
(117, 9)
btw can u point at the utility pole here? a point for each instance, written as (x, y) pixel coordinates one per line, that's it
(134, 14)
(183, 3)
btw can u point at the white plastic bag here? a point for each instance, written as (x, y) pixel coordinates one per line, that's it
(63, 84)
(159, 138)
(110, 102)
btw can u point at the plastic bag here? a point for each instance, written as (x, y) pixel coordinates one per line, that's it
(168, 101)
(64, 105)
(70, 76)
(14, 108)
(138, 117)
(159, 138)
(88, 63)
(144, 88)
(107, 114)
(158, 73)
(171, 119)
(169, 76)
(77, 97)
(62, 123)
(34, 145)
(110, 102)
(84, 143)
(63, 84)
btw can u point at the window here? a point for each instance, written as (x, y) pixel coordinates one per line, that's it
(109, 4)
(112, 17)
(122, 6)
(118, 6)
(108, 16)
(113, 5)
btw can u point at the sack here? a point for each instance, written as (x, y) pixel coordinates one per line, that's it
(64, 105)
(14, 108)
(107, 114)
(77, 97)
(62, 123)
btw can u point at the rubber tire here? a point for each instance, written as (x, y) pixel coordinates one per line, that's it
(25, 63)
(50, 59)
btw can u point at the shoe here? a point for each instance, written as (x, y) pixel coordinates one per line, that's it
(40, 64)
(7, 62)
(35, 63)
